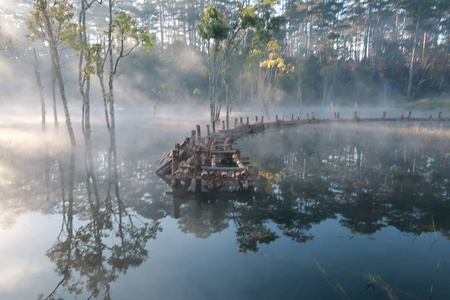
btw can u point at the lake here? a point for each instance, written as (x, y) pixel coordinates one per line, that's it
(344, 211)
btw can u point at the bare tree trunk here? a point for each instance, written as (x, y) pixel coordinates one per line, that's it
(43, 124)
(309, 36)
(41, 90)
(57, 68)
(161, 21)
(84, 82)
(411, 65)
(55, 112)
(112, 158)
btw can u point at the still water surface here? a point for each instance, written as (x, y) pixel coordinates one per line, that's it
(341, 212)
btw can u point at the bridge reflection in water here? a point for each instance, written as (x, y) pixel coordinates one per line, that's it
(334, 205)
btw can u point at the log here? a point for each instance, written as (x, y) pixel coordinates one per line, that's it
(240, 164)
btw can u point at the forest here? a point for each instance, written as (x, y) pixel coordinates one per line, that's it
(246, 53)
(123, 79)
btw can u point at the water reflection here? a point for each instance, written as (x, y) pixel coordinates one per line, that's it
(89, 256)
(367, 177)
(371, 177)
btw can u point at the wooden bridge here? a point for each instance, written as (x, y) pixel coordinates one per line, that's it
(212, 162)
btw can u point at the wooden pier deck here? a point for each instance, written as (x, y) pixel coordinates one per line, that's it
(212, 162)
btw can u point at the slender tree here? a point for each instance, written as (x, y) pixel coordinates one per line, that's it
(123, 36)
(85, 68)
(53, 24)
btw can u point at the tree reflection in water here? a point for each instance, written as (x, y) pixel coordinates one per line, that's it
(90, 257)
(369, 177)
(366, 177)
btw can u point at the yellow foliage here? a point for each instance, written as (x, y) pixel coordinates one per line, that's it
(271, 177)
(276, 61)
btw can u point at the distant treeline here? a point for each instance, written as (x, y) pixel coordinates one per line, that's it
(338, 51)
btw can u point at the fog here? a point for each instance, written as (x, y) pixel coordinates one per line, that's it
(334, 203)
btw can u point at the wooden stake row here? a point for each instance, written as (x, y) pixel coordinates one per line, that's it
(213, 159)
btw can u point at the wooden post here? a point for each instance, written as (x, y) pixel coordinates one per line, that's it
(214, 127)
(276, 118)
(198, 185)
(241, 120)
(192, 142)
(409, 115)
(227, 144)
(292, 117)
(235, 123)
(207, 145)
(199, 134)
(440, 115)
(256, 119)
(384, 115)
(307, 116)
(223, 125)
(176, 207)
(207, 130)
(228, 122)
(197, 160)
(175, 162)
(248, 121)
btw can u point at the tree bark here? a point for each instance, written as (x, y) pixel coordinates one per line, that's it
(41, 90)
(411, 65)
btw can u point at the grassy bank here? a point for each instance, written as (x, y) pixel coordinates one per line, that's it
(440, 102)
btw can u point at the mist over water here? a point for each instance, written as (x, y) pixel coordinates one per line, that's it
(348, 210)
(354, 209)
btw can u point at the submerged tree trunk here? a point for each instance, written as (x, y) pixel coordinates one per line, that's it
(84, 82)
(43, 125)
(113, 172)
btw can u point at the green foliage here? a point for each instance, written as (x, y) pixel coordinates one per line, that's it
(212, 24)
(58, 17)
(310, 79)
(372, 52)
(125, 28)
